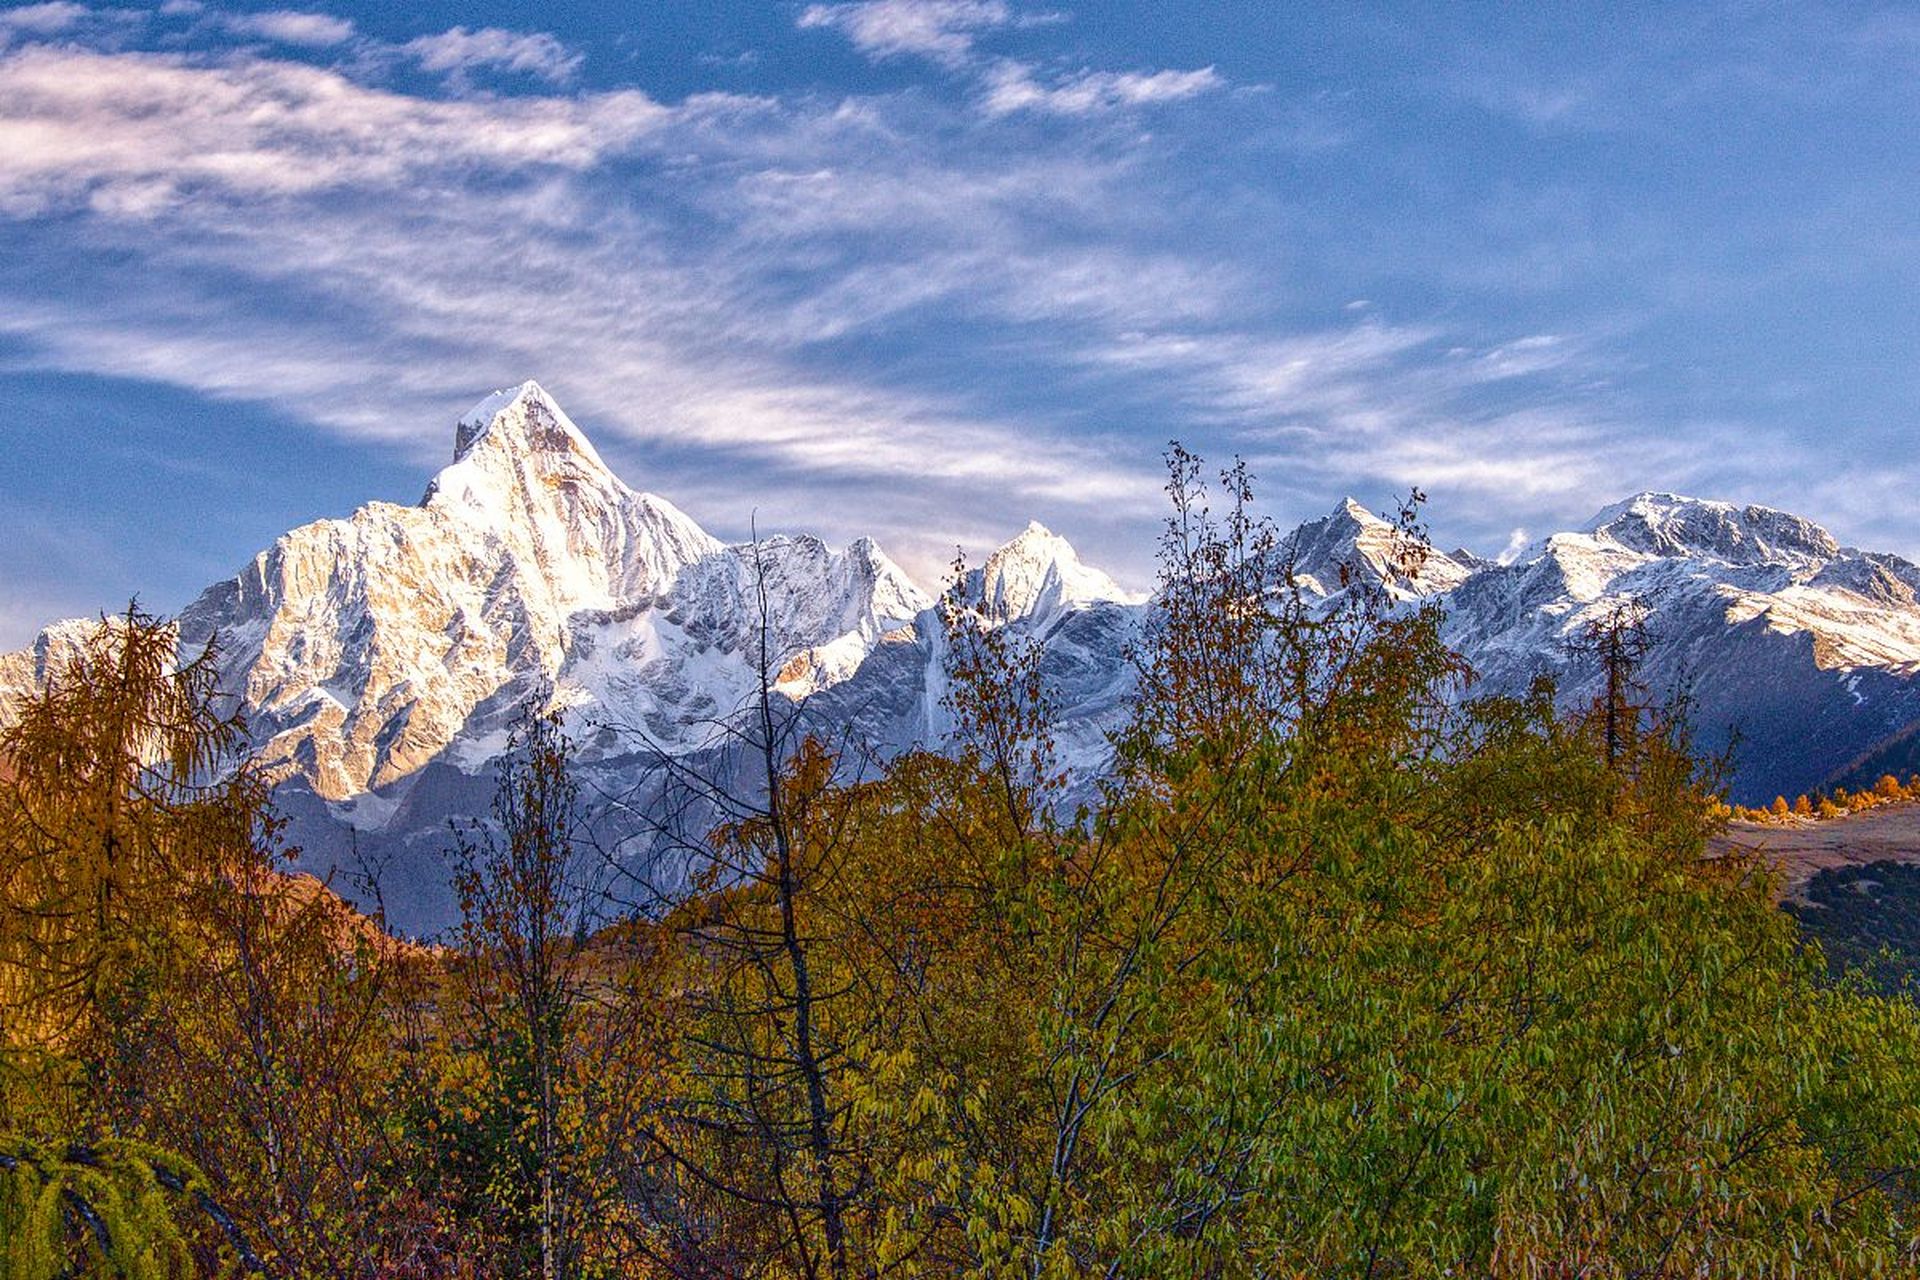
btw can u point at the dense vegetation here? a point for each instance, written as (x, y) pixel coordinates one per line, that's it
(1867, 922)
(1341, 975)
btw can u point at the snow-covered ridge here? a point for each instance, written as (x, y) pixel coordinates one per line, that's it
(1037, 576)
(381, 657)
(1353, 540)
(1807, 650)
(1669, 524)
(1730, 565)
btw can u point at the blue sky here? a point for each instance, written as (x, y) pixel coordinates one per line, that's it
(928, 268)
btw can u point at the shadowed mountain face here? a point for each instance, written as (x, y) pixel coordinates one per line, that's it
(381, 658)
(1801, 653)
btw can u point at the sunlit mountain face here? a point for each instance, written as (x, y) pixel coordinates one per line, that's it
(381, 658)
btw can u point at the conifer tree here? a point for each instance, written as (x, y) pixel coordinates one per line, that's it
(120, 790)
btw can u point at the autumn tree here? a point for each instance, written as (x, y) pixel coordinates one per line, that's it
(1617, 641)
(274, 1075)
(1348, 978)
(1061, 969)
(763, 1136)
(108, 1208)
(117, 792)
(510, 1124)
(167, 986)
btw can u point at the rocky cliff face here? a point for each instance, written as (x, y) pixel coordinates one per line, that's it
(366, 648)
(381, 657)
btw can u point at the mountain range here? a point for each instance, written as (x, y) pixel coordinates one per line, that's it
(381, 658)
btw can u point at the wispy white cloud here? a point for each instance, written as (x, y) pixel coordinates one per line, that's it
(1376, 404)
(715, 283)
(418, 248)
(743, 58)
(474, 237)
(133, 134)
(291, 27)
(44, 19)
(1534, 353)
(1536, 104)
(461, 50)
(64, 20)
(947, 32)
(943, 30)
(1016, 86)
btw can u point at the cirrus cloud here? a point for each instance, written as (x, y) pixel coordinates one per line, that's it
(1015, 86)
(481, 241)
(943, 30)
(462, 50)
(133, 133)
(291, 27)
(44, 19)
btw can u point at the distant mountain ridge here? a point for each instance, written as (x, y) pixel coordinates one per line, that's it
(380, 657)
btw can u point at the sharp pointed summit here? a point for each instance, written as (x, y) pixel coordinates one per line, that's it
(522, 419)
(1038, 573)
(1350, 540)
(1357, 511)
(519, 437)
(523, 471)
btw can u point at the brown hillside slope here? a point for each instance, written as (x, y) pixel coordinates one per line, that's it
(1800, 847)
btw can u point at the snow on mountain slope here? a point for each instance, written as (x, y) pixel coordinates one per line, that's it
(381, 657)
(367, 647)
(1038, 577)
(23, 673)
(1351, 540)
(1670, 525)
(1801, 652)
(1703, 567)
(1037, 587)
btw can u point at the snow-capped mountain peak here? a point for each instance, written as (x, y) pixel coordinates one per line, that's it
(523, 471)
(381, 658)
(1037, 575)
(518, 446)
(894, 596)
(371, 647)
(1671, 524)
(1352, 540)
(522, 419)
